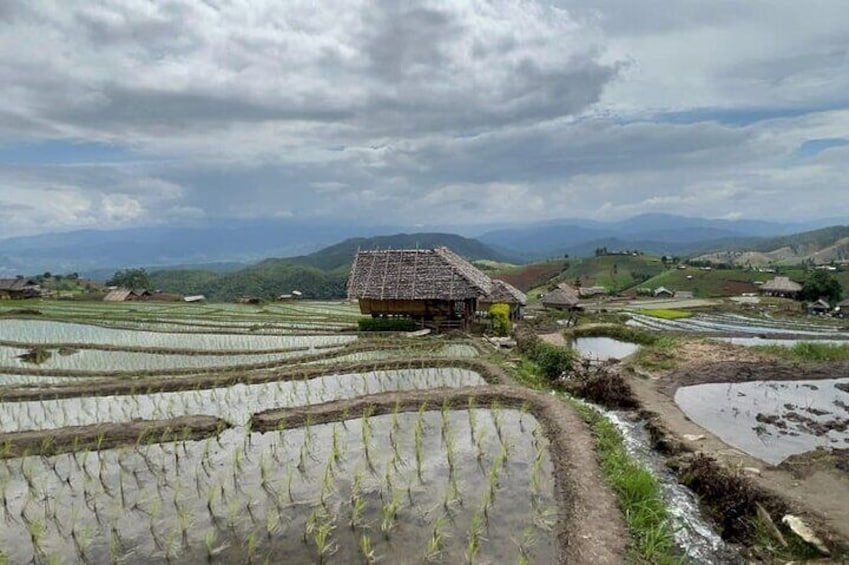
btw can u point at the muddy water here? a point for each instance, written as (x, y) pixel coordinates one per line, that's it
(234, 403)
(604, 348)
(251, 496)
(771, 420)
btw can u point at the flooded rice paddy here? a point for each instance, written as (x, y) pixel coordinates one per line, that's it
(234, 404)
(745, 325)
(401, 488)
(772, 420)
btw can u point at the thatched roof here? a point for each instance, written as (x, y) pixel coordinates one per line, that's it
(781, 284)
(843, 304)
(18, 283)
(505, 293)
(563, 295)
(118, 295)
(416, 274)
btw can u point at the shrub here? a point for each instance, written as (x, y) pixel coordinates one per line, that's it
(387, 324)
(553, 360)
(500, 315)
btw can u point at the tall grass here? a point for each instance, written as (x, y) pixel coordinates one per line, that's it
(808, 351)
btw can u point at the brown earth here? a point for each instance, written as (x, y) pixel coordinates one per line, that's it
(107, 435)
(814, 487)
(589, 529)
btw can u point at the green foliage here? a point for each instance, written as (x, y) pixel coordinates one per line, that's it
(500, 315)
(387, 325)
(135, 279)
(808, 351)
(638, 492)
(822, 284)
(552, 360)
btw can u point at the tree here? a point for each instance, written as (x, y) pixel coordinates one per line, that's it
(822, 284)
(130, 278)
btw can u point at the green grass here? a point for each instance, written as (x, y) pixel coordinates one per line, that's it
(705, 284)
(808, 351)
(667, 314)
(637, 490)
(662, 355)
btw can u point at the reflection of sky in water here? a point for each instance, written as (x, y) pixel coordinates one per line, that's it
(603, 348)
(234, 404)
(729, 411)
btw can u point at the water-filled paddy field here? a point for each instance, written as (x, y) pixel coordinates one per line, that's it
(603, 348)
(736, 324)
(772, 420)
(408, 487)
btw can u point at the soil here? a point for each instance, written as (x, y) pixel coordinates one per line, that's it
(590, 528)
(814, 487)
(109, 435)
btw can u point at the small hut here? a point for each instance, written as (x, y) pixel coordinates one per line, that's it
(782, 287)
(194, 298)
(842, 309)
(19, 288)
(126, 295)
(820, 307)
(433, 285)
(505, 293)
(562, 297)
(662, 292)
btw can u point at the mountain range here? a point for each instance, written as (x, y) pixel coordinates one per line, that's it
(228, 245)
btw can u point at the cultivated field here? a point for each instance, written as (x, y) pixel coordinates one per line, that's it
(144, 432)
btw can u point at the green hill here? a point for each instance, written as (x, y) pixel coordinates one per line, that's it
(319, 275)
(813, 247)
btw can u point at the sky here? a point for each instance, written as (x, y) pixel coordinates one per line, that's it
(123, 113)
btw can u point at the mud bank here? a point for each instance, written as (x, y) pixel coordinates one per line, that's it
(106, 436)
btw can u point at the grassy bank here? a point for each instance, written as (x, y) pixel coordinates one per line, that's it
(637, 490)
(667, 313)
(657, 351)
(808, 351)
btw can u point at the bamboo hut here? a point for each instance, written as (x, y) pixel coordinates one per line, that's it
(505, 293)
(563, 297)
(781, 286)
(436, 286)
(18, 288)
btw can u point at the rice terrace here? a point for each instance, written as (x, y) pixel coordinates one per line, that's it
(299, 431)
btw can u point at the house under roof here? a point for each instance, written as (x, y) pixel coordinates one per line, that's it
(662, 291)
(563, 297)
(781, 286)
(431, 284)
(125, 295)
(19, 287)
(505, 293)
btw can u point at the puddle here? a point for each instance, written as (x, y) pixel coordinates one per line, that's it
(604, 348)
(772, 420)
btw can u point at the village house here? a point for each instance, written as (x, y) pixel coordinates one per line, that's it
(19, 288)
(505, 293)
(436, 286)
(781, 287)
(662, 292)
(842, 309)
(820, 307)
(562, 297)
(126, 295)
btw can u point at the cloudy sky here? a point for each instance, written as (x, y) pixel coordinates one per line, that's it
(132, 112)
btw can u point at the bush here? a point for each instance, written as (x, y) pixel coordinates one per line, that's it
(500, 315)
(387, 325)
(553, 360)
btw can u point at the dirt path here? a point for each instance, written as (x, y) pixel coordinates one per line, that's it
(589, 529)
(108, 435)
(820, 492)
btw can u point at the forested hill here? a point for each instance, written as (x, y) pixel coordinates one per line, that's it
(319, 275)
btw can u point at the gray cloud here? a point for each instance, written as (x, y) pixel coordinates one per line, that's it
(495, 111)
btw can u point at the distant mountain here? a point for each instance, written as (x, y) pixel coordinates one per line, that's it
(652, 233)
(820, 246)
(243, 241)
(322, 274)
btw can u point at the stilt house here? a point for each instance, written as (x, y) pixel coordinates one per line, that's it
(433, 285)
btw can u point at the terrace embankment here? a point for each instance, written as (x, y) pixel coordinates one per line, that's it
(144, 385)
(590, 528)
(813, 485)
(107, 435)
